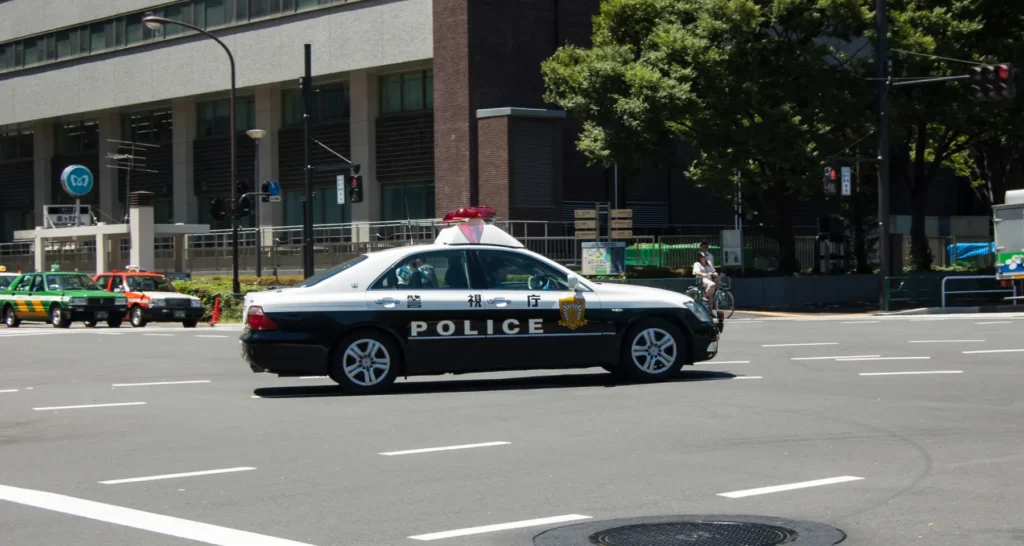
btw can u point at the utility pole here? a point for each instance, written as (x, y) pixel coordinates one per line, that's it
(307, 199)
(884, 85)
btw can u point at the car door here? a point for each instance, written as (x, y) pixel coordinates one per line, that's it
(22, 297)
(547, 323)
(40, 298)
(427, 299)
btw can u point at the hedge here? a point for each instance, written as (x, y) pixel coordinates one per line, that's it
(208, 289)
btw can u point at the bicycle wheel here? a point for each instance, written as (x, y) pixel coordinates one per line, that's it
(725, 302)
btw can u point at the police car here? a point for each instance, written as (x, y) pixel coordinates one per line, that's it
(473, 301)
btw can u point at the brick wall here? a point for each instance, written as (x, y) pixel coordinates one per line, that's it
(454, 126)
(495, 170)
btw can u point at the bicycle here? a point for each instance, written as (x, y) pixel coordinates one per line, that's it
(724, 300)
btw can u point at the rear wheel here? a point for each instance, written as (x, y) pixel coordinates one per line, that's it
(365, 362)
(57, 317)
(654, 350)
(190, 323)
(10, 318)
(115, 322)
(136, 317)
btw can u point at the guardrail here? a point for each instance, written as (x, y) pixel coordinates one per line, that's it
(974, 277)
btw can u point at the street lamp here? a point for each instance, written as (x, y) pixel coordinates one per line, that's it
(153, 22)
(257, 135)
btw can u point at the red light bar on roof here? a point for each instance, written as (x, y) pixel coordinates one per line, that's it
(467, 213)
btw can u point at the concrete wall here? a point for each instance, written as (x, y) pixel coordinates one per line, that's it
(26, 17)
(363, 34)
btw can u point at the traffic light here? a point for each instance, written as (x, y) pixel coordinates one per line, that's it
(265, 189)
(241, 187)
(993, 82)
(831, 177)
(355, 189)
(218, 209)
(244, 208)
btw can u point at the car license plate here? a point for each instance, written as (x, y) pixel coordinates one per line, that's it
(101, 315)
(179, 314)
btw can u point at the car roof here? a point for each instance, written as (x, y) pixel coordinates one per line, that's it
(134, 274)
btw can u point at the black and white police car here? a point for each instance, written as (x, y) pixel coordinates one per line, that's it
(473, 301)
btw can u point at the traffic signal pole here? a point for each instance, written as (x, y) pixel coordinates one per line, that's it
(884, 84)
(307, 204)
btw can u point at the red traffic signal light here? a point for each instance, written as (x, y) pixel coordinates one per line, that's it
(355, 189)
(218, 210)
(992, 82)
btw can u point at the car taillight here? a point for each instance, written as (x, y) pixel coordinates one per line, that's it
(256, 319)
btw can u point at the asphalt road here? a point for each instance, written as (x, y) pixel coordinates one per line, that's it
(929, 458)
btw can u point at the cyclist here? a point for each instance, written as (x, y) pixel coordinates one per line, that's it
(705, 271)
(705, 250)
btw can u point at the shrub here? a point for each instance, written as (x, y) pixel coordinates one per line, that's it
(208, 289)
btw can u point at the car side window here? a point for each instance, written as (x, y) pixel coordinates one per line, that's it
(516, 271)
(39, 286)
(435, 270)
(102, 281)
(25, 285)
(116, 283)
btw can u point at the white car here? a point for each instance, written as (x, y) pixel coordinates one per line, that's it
(473, 301)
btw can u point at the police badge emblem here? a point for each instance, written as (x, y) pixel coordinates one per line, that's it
(572, 310)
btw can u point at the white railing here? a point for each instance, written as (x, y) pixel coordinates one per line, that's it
(974, 277)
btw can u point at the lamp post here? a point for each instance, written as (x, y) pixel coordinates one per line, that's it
(155, 23)
(257, 135)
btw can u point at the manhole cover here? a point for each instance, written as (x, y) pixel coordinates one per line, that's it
(697, 533)
(717, 530)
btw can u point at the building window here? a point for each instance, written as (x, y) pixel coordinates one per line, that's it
(16, 146)
(6, 56)
(408, 92)
(326, 209)
(412, 201)
(77, 137)
(216, 15)
(33, 51)
(179, 12)
(133, 30)
(153, 127)
(15, 221)
(67, 42)
(163, 211)
(309, 4)
(214, 116)
(97, 38)
(330, 104)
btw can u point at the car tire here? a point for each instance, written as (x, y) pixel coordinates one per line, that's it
(355, 363)
(652, 350)
(190, 323)
(57, 318)
(10, 317)
(90, 324)
(115, 322)
(136, 317)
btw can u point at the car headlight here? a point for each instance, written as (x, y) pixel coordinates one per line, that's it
(120, 301)
(77, 301)
(156, 303)
(197, 303)
(701, 311)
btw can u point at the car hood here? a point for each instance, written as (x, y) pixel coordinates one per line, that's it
(166, 295)
(90, 294)
(634, 291)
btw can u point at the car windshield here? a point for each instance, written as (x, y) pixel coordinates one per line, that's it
(150, 284)
(320, 277)
(69, 282)
(5, 281)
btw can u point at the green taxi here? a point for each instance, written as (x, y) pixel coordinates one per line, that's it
(60, 298)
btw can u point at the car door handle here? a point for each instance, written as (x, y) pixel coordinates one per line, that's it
(499, 301)
(387, 301)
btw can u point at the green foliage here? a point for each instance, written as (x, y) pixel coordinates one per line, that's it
(208, 289)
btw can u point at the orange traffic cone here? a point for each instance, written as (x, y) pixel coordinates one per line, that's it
(216, 312)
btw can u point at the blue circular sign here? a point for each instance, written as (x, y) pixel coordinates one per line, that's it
(77, 180)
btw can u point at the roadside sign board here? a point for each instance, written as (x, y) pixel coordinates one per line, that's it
(586, 213)
(621, 213)
(622, 234)
(275, 199)
(621, 224)
(342, 189)
(586, 234)
(77, 180)
(732, 245)
(586, 224)
(847, 187)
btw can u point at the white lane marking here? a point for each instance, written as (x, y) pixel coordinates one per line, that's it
(91, 406)
(160, 383)
(833, 357)
(181, 475)
(200, 335)
(947, 341)
(446, 448)
(9, 390)
(996, 322)
(801, 344)
(108, 333)
(137, 519)
(713, 362)
(158, 335)
(993, 351)
(312, 377)
(500, 527)
(884, 358)
(860, 322)
(913, 373)
(749, 377)
(787, 487)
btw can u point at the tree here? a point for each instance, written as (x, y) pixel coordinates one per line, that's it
(761, 88)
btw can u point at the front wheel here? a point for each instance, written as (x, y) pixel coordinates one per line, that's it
(115, 322)
(57, 318)
(365, 362)
(136, 317)
(654, 350)
(11, 320)
(725, 303)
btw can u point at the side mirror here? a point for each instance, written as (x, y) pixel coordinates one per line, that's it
(573, 281)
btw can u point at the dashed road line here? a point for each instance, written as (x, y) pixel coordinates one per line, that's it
(788, 487)
(987, 351)
(158, 335)
(91, 406)
(137, 519)
(180, 475)
(446, 448)
(802, 344)
(713, 362)
(884, 358)
(749, 377)
(860, 322)
(915, 373)
(8, 390)
(500, 527)
(160, 383)
(201, 335)
(947, 341)
(995, 322)
(833, 357)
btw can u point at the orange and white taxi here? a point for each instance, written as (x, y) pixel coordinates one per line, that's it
(152, 297)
